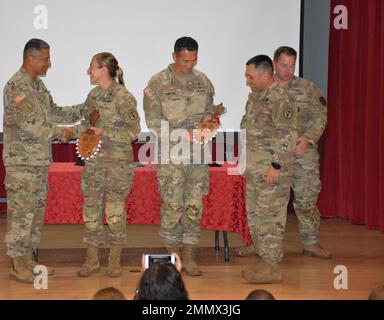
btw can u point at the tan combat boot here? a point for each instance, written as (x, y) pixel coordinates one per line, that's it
(246, 251)
(31, 264)
(315, 250)
(189, 263)
(91, 264)
(263, 273)
(20, 272)
(114, 268)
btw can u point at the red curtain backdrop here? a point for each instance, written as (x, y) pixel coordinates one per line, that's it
(353, 163)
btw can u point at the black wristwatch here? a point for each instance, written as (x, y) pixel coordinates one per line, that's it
(276, 165)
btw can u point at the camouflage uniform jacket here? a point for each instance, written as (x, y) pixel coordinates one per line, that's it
(312, 116)
(270, 122)
(29, 121)
(118, 119)
(183, 107)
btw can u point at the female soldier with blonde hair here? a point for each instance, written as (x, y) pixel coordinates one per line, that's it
(107, 177)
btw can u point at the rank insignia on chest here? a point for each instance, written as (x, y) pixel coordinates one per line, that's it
(288, 114)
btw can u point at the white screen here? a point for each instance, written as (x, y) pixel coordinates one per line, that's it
(141, 35)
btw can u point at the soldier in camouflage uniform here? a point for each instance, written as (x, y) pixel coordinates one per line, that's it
(182, 96)
(270, 124)
(312, 119)
(107, 177)
(29, 117)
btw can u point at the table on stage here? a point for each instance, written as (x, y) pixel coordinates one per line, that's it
(224, 206)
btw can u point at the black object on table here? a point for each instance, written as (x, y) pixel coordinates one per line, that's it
(80, 162)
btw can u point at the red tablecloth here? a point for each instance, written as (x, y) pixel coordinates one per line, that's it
(224, 206)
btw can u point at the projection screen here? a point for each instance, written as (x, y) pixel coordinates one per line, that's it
(141, 35)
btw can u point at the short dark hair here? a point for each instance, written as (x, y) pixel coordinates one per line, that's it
(260, 294)
(34, 47)
(186, 43)
(377, 293)
(286, 50)
(261, 62)
(161, 281)
(109, 293)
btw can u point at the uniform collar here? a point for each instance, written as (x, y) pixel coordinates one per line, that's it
(171, 73)
(254, 94)
(105, 94)
(110, 88)
(35, 84)
(265, 93)
(291, 82)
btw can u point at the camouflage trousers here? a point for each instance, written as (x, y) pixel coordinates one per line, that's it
(182, 188)
(306, 186)
(26, 188)
(105, 188)
(267, 208)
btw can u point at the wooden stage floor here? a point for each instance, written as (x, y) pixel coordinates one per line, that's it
(359, 249)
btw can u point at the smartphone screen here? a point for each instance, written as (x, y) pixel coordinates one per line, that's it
(151, 258)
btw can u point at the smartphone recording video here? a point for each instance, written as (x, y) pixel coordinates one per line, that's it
(149, 259)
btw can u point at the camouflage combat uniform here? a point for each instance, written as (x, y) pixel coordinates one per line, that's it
(181, 186)
(29, 126)
(312, 118)
(107, 177)
(270, 123)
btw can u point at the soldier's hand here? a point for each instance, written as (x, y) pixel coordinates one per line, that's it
(273, 175)
(302, 146)
(97, 131)
(67, 135)
(207, 118)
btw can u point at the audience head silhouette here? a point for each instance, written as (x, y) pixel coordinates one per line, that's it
(377, 293)
(260, 294)
(161, 281)
(109, 293)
